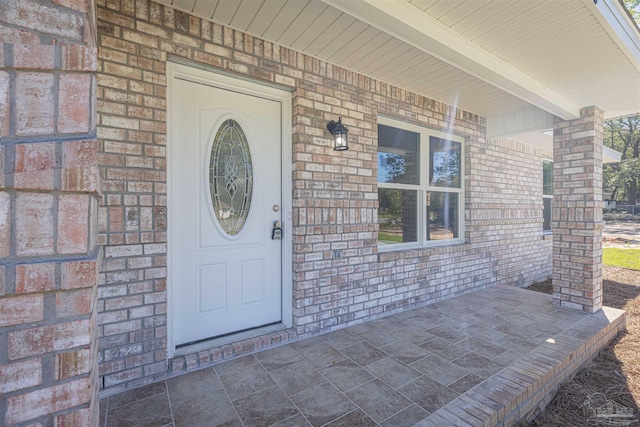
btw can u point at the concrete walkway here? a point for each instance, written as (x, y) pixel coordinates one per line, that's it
(485, 358)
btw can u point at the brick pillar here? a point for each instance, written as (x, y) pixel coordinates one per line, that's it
(577, 211)
(49, 187)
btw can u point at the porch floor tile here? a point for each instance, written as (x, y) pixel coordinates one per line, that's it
(444, 361)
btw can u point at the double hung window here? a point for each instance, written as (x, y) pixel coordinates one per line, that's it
(420, 186)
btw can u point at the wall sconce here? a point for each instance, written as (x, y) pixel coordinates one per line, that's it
(339, 132)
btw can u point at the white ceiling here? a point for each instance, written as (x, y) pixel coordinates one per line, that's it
(560, 43)
(559, 55)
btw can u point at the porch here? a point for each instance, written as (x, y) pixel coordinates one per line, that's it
(485, 358)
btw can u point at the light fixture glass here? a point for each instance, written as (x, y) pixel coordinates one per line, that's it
(339, 132)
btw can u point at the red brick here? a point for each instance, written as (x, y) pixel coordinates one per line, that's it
(116, 219)
(79, 58)
(208, 59)
(5, 105)
(73, 303)
(218, 50)
(79, 274)
(18, 36)
(36, 16)
(45, 339)
(34, 104)
(122, 71)
(358, 218)
(78, 5)
(34, 226)
(73, 221)
(79, 418)
(577, 150)
(117, 44)
(48, 400)
(35, 278)
(79, 166)
(5, 224)
(21, 309)
(35, 165)
(37, 56)
(74, 103)
(79, 153)
(120, 122)
(112, 82)
(153, 30)
(138, 38)
(73, 363)
(19, 375)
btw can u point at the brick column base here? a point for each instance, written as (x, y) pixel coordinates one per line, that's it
(577, 211)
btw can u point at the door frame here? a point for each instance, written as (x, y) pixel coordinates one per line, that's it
(212, 77)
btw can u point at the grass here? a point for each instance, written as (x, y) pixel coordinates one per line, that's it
(620, 257)
(389, 238)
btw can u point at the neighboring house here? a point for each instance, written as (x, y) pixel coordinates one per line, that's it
(149, 148)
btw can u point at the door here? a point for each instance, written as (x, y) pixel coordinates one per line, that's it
(226, 180)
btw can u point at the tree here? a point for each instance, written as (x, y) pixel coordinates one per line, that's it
(623, 179)
(446, 169)
(623, 135)
(634, 9)
(393, 168)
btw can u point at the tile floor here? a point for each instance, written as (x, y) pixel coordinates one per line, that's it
(393, 371)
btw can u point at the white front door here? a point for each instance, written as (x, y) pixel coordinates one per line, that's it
(225, 176)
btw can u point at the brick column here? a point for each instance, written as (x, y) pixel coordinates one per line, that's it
(49, 187)
(577, 211)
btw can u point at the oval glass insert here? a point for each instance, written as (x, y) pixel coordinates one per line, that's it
(231, 177)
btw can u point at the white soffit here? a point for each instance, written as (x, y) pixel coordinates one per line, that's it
(487, 57)
(322, 31)
(581, 50)
(534, 127)
(407, 23)
(544, 140)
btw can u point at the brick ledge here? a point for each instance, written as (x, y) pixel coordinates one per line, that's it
(525, 387)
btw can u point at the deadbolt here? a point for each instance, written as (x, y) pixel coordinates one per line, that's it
(276, 232)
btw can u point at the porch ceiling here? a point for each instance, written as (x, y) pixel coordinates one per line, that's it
(487, 57)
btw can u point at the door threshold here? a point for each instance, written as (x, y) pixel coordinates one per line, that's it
(227, 339)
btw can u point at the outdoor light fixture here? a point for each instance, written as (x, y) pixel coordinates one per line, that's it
(339, 132)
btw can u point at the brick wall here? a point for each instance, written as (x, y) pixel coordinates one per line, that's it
(48, 214)
(577, 221)
(504, 190)
(334, 199)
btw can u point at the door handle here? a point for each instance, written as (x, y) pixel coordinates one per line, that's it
(276, 231)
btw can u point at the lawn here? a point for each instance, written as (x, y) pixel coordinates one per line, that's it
(389, 238)
(615, 371)
(621, 257)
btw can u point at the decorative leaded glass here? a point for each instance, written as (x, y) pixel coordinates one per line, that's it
(231, 177)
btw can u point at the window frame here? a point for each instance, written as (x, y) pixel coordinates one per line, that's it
(424, 186)
(547, 196)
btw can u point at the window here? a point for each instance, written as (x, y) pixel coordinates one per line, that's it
(547, 194)
(420, 182)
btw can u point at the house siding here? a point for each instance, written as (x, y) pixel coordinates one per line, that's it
(334, 193)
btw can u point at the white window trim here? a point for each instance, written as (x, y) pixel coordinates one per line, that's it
(424, 186)
(549, 231)
(546, 196)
